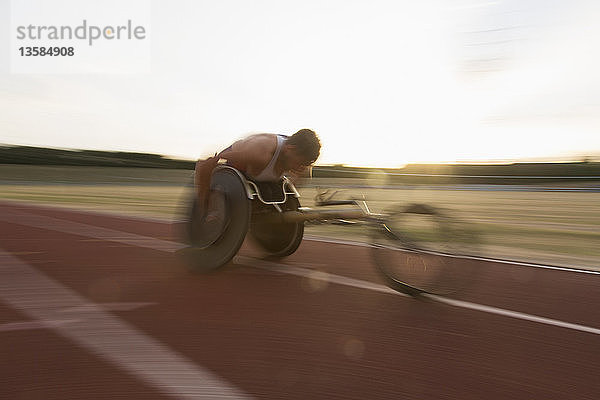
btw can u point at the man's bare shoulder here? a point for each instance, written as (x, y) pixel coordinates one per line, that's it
(252, 153)
(258, 146)
(261, 140)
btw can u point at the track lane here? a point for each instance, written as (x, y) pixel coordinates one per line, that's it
(281, 336)
(37, 363)
(556, 294)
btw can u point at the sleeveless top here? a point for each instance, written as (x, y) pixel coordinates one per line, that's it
(268, 174)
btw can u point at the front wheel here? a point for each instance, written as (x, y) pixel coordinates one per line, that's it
(421, 249)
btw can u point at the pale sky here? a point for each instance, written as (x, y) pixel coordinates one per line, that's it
(382, 82)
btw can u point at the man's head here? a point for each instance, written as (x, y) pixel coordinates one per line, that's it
(301, 149)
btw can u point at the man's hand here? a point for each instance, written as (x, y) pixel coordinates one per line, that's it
(204, 169)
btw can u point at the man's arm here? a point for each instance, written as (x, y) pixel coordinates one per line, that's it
(204, 169)
(246, 155)
(235, 156)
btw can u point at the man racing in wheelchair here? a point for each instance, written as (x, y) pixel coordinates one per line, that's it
(263, 157)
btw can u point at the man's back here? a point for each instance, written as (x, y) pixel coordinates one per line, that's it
(264, 155)
(252, 154)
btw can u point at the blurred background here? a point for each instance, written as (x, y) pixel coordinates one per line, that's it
(488, 108)
(384, 83)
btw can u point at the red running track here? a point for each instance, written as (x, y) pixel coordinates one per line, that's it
(99, 306)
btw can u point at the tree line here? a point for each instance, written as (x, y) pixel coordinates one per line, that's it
(515, 173)
(47, 156)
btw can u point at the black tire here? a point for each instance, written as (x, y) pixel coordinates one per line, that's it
(277, 240)
(420, 249)
(207, 257)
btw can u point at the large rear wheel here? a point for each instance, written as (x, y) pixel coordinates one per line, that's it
(277, 239)
(217, 235)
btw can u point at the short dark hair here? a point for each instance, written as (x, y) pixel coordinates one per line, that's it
(307, 144)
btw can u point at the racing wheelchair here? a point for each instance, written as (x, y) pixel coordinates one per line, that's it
(416, 247)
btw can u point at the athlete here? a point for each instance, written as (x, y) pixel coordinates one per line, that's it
(263, 157)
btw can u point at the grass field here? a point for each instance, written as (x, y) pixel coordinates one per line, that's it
(559, 228)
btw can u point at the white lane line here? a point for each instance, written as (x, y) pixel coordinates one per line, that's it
(313, 274)
(115, 306)
(357, 283)
(73, 209)
(162, 245)
(315, 238)
(513, 314)
(42, 298)
(493, 260)
(96, 232)
(40, 324)
(90, 307)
